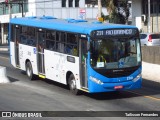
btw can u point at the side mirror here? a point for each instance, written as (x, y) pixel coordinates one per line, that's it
(88, 46)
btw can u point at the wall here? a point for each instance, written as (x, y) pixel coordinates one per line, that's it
(91, 13)
(54, 8)
(151, 54)
(136, 13)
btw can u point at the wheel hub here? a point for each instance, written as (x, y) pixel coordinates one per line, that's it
(73, 84)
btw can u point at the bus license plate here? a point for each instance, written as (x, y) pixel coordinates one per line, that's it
(118, 87)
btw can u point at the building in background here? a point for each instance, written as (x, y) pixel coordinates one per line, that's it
(140, 15)
(76, 9)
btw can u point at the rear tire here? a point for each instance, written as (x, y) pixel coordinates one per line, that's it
(72, 85)
(29, 71)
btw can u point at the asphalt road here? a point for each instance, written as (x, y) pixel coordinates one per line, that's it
(45, 95)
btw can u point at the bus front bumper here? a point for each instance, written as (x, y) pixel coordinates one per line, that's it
(107, 87)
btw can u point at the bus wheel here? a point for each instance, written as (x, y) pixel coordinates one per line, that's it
(29, 71)
(72, 85)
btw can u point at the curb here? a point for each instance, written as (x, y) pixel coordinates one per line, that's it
(4, 49)
(3, 75)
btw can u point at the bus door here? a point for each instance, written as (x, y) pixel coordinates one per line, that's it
(83, 62)
(40, 52)
(16, 40)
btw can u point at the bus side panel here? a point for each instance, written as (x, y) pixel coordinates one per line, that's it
(51, 66)
(28, 53)
(57, 66)
(74, 68)
(12, 53)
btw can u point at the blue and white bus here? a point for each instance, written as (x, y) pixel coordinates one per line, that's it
(87, 56)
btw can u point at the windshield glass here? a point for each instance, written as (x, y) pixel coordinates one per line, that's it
(114, 53)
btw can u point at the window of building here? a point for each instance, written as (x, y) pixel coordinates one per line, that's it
(155, 8)
(63, 3)
(76, 3)
(152, 9)
(25, 7)
(1, 9)
(70, 3)
(91, 3)
(16, 7)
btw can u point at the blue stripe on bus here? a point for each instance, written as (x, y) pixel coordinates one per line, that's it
(64, 25)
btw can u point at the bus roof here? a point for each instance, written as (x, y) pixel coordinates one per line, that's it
(70, 25)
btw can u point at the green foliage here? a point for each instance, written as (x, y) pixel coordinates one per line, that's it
(117, 14)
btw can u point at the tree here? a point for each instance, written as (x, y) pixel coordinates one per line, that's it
(117, 14)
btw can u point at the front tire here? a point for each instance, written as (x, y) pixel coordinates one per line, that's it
(72, 85)
(29, 71)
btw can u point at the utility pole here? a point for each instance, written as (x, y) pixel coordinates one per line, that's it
(99, 8)
(21, 3)
(100, 11)
(157, 1)
(9, 9)
(149, 16)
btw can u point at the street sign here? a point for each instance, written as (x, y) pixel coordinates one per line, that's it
(82, 13)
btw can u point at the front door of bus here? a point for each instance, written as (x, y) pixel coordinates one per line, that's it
(17, 32)
(83, 62)
(40, 52)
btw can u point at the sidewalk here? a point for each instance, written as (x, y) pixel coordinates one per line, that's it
(4, 47)
(151, 71)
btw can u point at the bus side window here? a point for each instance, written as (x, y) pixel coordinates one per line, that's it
(23, 39)
(72, 44)
(68, 49)
(13, 27)
(31, 36)
(31, 41)
(50, 40)
(50, 45)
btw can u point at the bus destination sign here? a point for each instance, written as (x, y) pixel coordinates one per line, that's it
(114, 32)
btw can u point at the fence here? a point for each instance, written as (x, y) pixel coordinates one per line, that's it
(151, 54)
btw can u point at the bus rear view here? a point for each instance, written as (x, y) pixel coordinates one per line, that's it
(115, 60)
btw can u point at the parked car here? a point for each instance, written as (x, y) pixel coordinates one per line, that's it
(150, 39)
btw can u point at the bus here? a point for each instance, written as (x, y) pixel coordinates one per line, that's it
(87, 56)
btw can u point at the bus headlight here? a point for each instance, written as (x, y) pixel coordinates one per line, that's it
(137, 78)
(96, 80)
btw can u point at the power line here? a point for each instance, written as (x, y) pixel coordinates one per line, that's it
(24, 2)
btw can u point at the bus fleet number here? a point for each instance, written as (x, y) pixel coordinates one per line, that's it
(99, 33)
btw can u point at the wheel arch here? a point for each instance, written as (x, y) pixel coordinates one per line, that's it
(67, 76)
(27, 60)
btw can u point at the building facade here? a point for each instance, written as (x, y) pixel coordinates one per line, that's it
(76, 9)
(140, 15)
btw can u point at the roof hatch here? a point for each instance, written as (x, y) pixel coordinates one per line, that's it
(47, 17)
(76, 21)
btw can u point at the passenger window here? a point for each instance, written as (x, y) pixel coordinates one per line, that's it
(72, 44)
(50, 40)
(50, 45)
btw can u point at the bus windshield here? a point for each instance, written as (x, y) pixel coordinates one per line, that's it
(115, 53)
